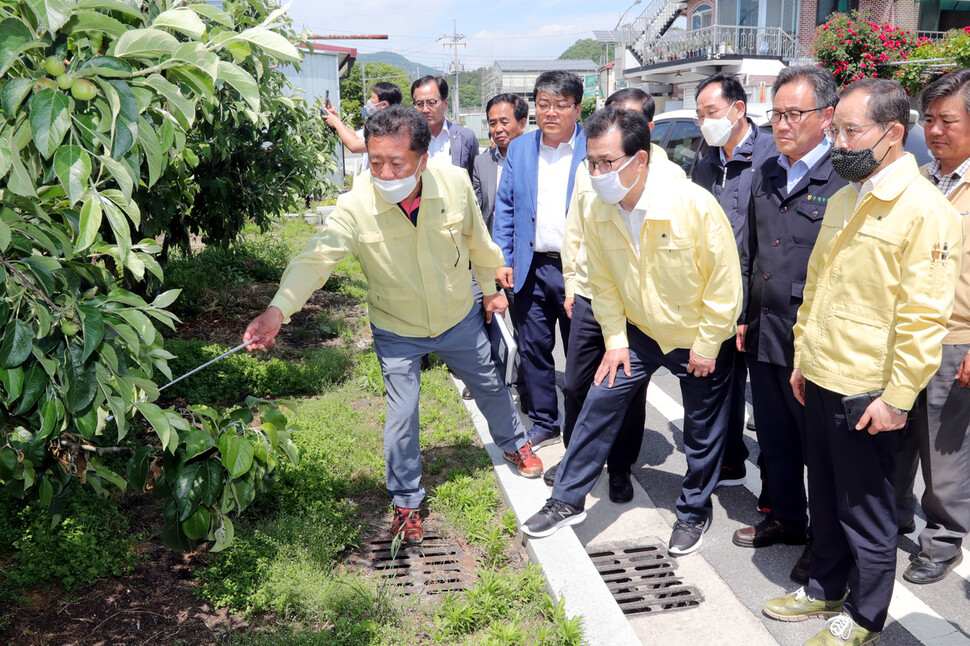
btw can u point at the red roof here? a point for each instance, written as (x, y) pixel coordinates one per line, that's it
(608, 66)
(351, 51)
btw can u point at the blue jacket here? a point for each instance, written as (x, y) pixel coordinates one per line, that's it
(514, 228)
(464, 146)
(732, 186)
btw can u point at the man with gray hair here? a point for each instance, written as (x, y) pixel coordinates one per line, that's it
(937, 437)
(878, 293)
(414, 229)
(789, 196)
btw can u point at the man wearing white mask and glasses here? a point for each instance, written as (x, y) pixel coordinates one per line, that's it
(738, 147)
(666, 289)
(415, 229)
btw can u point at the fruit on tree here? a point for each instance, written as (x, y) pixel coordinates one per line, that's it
(84, 90)
(54, 66)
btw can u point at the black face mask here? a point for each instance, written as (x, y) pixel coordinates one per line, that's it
(856, 165)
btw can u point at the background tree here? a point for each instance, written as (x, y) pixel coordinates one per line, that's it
(588, 48)
(97, 98)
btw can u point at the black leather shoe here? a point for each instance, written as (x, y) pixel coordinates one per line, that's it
(767, 532)
(922, 570)
(549, 477)
(799, 573)
(621, 488)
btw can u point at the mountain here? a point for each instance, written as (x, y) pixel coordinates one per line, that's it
(416, 70)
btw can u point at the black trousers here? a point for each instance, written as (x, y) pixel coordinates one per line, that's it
(735, 451)
(780, 426)
(853, 507)
(705, 419)
(538, 308)
(586, 350)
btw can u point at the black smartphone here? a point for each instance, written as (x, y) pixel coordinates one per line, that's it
(856, 405)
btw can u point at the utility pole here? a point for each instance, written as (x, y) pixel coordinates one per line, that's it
(456, 67)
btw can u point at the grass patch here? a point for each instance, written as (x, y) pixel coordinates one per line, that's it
(242, 374)
(92, 540)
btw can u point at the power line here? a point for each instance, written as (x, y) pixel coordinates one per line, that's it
(456, 67)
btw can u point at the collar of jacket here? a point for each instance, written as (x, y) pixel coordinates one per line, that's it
(898, 181)
(924, 170)
(747, 148)
(429, 190)
(822, 170)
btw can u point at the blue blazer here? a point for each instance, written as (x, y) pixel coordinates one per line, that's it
(514, 228)
(464, 146)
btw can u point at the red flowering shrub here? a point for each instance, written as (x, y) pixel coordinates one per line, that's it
(951, 52)
(853, 48)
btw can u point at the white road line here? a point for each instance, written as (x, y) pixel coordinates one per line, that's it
(912, 613)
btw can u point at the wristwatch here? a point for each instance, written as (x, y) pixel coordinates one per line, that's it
(898, 411)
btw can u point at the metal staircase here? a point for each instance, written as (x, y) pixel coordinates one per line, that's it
(652, 24)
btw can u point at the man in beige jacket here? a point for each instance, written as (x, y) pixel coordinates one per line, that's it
(937, 435)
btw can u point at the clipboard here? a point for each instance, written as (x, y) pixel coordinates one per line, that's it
(504, 347)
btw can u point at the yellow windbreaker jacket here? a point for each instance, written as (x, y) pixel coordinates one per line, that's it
(879, 288)
(418, 278)
(684, 290)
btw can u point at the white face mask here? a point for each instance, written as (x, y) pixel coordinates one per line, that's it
(717, 131)
(609, 188)
(395, 190)
(370, 109)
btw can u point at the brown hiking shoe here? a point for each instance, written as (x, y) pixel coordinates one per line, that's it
(407, 525)
(527, 462)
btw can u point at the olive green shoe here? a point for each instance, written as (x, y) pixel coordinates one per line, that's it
(798, 606)
(842, 631)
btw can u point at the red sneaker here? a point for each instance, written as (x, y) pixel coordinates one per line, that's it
(528, 464)
(407, 524)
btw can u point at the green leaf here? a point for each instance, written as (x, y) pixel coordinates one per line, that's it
(137, 467)
(290, 450)
(48, 412)
(106, 66)
(147, 43)
(91, 21)
(113, 5)
(238, 456)
(93, 328)
(159, 421)
(6, 157)
(197, 442)
(20, 181)
(90, 222)
(215, 478)
(182, 109)
(166, 298)
(196, 526)
(52, 14)
(152, 149)
(213, 13)
(241, 81)
(182, 20)
(141, 323)
(15, 39)
(191, 481)
(175, 539)
(224, 535)
(46, 492)
(272, 43)
(50, 119)
(13, 94)
(8, 462)
(126, 298)
(198, 81)
(18, 339)
(119, 225)
(13, 382)
(121, 176)
(35, 382)
(82, 381)
(72, 164)
(107, 474)
(124, 109)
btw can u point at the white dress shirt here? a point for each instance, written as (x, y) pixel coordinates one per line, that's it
(800, 169)
(441, 145)
(863, 188)
(551, 202)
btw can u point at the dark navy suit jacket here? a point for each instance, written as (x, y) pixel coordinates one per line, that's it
(780, 235)
(514, 227)
(464, 146)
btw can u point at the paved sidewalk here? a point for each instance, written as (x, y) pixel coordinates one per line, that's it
(720, 619)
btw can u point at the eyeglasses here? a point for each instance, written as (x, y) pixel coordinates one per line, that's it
(930, 122)
(605, 166)
(700, 119)
(790, 116)
(431, 103)
(558, 107)
(849, 132)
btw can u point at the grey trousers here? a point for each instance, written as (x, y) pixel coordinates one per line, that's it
(466, 350)
(938, 437)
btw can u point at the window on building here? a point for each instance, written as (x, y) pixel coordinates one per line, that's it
(703, 16)
(827, 7)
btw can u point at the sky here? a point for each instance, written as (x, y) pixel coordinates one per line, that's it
(501, 29)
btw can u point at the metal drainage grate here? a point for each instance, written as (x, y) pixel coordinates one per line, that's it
(434, 567)
(642, 578)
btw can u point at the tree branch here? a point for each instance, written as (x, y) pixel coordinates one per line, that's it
(29, 284)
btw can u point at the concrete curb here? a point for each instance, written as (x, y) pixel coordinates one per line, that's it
(569, 572)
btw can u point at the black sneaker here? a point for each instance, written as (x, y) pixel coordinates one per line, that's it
(549, 477)
(687, 537)
(553, 515)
